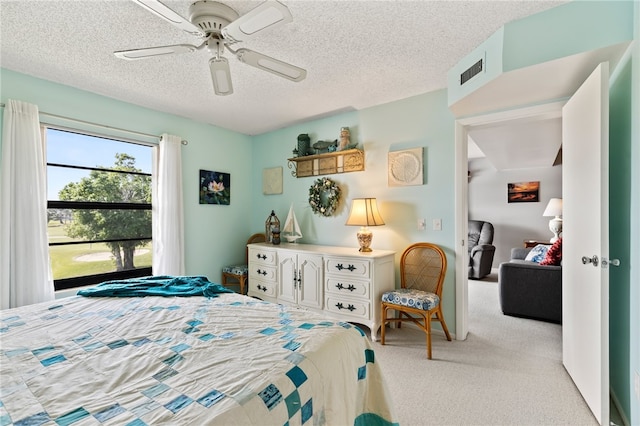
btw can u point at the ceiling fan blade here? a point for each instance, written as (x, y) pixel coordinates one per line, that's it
(150, 52)
(264, 16)
(275, 66)
(221, 76)
(159, 9)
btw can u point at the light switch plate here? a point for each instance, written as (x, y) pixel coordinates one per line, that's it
(422, 224)
(437, 224)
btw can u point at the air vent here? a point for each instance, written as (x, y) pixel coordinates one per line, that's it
(472, 71)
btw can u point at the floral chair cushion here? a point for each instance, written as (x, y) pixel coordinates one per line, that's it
(236, 269)
(417, 299)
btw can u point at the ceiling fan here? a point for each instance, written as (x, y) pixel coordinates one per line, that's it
(220, 27)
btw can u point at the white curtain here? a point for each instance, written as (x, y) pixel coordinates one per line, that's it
(25, 271)
(168, 233)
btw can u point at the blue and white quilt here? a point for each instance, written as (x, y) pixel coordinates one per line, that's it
(228, 360)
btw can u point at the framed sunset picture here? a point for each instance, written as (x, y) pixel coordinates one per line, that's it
(523, 192)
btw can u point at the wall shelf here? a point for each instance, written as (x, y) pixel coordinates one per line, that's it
(350, 160)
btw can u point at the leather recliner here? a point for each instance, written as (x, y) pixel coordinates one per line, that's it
(481, 250)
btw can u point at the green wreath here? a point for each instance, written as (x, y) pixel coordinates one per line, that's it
(324, 196)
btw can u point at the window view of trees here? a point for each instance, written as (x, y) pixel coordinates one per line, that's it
(99, 215)
(111, 225)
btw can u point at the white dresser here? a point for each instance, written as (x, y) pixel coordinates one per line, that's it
(340, 281)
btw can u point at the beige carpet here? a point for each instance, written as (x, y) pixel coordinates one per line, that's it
(507, 372)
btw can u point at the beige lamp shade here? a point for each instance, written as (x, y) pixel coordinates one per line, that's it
(554, 207)
(364, 212)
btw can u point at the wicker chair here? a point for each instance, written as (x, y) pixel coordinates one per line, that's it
(239, 273)
(422, 270)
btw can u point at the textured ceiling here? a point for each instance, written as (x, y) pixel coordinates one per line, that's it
(357, 54)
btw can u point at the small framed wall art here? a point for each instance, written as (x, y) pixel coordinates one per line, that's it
(215, 188)
(523, 192)
(272, 180)
(405, 167)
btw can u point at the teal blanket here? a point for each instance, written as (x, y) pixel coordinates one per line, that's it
(156, 286)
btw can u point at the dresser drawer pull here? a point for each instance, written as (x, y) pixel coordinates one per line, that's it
(261, 272)
(263, 288)
(350, 287)
(340, 267)
(350, 307)
(261, 256)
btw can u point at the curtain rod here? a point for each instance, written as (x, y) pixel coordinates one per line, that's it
(133, 132)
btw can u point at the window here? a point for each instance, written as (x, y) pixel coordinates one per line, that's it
(99, 208)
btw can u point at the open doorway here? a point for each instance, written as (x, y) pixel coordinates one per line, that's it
(464, 128)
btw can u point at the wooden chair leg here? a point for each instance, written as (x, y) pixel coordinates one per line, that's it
(444, 324)
(384, 323)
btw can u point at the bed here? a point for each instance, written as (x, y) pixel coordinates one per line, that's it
(220, 359)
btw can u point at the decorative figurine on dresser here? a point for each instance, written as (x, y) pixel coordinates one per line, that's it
(270, 224)
(304, 144)
(345, 139)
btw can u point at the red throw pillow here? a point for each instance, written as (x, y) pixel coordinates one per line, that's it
(554, 254)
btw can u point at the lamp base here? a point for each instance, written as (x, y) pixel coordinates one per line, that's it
(364, 239)
(555, 226)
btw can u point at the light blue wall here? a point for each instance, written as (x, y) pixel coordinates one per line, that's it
(208, 228)
(620, 233)
(421, 121)
(634, 239)
(581, 25)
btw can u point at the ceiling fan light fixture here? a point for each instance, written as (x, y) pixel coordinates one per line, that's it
(274, 66)
(221, 76)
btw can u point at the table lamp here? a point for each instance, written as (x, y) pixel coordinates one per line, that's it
(364, 213)
(554, 208)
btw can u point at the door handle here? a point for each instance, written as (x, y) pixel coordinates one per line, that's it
(593, 260)
(613, 262)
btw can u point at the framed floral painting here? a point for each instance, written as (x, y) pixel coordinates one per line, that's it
(215, 187)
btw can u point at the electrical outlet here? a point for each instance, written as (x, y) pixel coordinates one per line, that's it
(422, 224)
(636, 384)
(437, 224)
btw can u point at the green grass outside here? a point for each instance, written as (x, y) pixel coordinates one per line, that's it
(64, 261)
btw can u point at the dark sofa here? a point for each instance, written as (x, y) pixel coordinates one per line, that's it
(530, 290)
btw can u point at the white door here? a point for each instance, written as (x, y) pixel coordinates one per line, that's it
(310, 268)
(585, 189)
(287, 277)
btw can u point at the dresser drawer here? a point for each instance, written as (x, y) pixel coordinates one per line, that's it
(266, 257)
(347, 307)
(353, 288)
(262, 272)
(347, 267)
(261, 288)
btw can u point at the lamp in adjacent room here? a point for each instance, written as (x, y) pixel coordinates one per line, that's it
(364, 213)
(554, 208)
